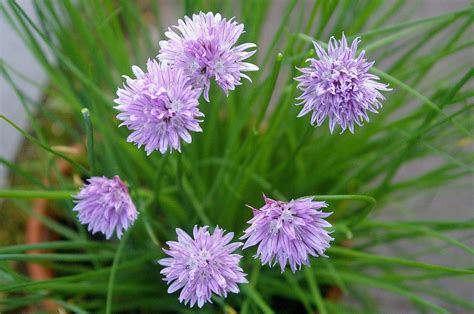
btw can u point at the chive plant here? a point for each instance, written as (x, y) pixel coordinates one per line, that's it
(252, 142)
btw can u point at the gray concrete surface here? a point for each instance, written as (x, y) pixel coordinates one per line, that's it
(14, 53)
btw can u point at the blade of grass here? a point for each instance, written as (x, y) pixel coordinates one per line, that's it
(32, 194)
(113, 271)
(395, 260)
(313, 287)
(57, 245)
(90, 139)
(257, 298)
(43, 146)
(46, 257)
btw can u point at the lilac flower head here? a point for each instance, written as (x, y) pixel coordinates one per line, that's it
(288, 232)
(204, 47)
(160, 107)
(339, 86)
(105, 205)
(202, 266)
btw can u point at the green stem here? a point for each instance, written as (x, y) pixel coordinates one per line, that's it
(43, 284)
(252, 282)
(57, 245)
(385, 260)
(296, 151)
(150, 232)
(279, 32)
(32, 194)
(257, 298)
(187, 194)
(64, 195)
(159, 176)
(55, 257)
(298, 290)
(409, 24)
(313, 287)
(310, 22)
(113, 271)
(45, 147)
(341, 197)
(197, 206)
(270, 90)
(360, 216)
(179, 173)
(90, 139)
(391, 79)
(52, 195)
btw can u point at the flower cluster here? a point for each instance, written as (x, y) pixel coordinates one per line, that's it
(161, 107)
(339, 87)
(204, 47)
(202, 265)
(288, 232)
(105, 205)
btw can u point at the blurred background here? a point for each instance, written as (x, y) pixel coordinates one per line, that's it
(436, 203)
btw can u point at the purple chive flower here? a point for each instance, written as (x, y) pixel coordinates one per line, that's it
(204, 47)
(202, 266)
(160, 107)
(287, 232)
(339, 86)
(105, 205)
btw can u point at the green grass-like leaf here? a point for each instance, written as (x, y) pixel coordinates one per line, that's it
(252, 143)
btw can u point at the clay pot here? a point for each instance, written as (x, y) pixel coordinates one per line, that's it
(36, 232)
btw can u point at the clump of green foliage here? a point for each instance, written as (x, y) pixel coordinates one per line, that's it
(252, 143)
